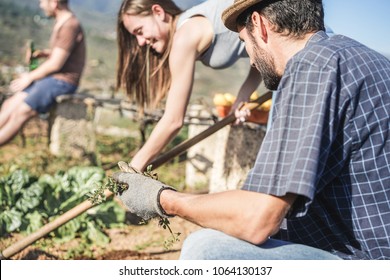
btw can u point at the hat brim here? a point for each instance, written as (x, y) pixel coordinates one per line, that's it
(230, 15)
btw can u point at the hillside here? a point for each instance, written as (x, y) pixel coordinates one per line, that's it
(22, 20)
(94, 14)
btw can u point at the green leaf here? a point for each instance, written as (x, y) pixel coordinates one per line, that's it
(95, 234)
(110, 214)
(68, 231)
(31, 198)
(33, 222)
(19, 180)
(10, 220)
(7, 196)
(52, 182)
(50, 203)
(71, 202)
(86, 178)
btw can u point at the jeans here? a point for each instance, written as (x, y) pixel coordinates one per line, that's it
(208, 244)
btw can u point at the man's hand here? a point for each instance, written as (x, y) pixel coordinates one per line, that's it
(143, 194)
(21, 83)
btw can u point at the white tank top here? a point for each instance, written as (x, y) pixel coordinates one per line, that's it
(226, 48)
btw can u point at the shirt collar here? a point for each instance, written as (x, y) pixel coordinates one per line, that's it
(317, 37)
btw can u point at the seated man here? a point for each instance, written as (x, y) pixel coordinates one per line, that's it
(319, 188)
(36, 91)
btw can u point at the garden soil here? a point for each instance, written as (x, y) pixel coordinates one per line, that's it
(131, 242)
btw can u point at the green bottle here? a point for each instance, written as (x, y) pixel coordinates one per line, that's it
(33, 60)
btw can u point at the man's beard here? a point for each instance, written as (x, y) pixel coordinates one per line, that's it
(266, 67)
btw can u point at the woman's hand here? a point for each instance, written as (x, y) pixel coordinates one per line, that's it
(242, 114)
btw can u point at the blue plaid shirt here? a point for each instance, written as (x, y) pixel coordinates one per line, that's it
(330, 143)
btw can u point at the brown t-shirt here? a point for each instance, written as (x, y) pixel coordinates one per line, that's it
(70, 37)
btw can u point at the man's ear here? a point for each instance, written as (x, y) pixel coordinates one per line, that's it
(261, 26)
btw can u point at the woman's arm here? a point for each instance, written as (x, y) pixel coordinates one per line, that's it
(250, 84)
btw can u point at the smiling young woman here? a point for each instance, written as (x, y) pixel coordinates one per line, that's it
(159, 44)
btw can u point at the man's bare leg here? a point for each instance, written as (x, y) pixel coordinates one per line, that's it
(10, 105)
(16, 119)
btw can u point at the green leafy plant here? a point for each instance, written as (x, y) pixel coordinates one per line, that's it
(28, 202)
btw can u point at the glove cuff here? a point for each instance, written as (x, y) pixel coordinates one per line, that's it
(161, 210)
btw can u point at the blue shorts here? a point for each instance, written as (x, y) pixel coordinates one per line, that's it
(42, 93)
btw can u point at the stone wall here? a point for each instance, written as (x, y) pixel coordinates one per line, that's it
(72, 131)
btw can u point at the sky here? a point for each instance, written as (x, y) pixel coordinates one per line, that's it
(367, 21)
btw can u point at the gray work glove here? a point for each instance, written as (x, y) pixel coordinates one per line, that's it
(143, 194)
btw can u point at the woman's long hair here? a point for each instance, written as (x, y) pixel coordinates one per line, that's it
(143, 74)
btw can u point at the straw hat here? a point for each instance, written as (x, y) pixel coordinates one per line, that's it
(229, 16)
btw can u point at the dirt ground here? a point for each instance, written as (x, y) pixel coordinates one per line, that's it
(132, 242)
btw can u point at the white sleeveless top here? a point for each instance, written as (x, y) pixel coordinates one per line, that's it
(226, 48)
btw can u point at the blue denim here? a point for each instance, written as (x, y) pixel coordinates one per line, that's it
(42, 93)
(208, 244)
